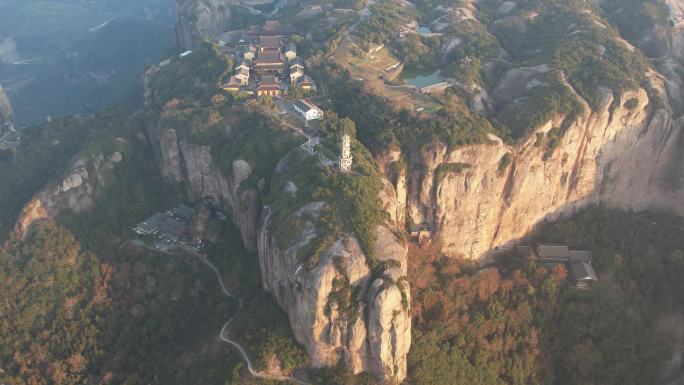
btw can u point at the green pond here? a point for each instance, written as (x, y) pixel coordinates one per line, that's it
(424, 30)
(422, 78)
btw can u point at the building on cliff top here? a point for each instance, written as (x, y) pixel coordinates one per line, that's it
(307, 110)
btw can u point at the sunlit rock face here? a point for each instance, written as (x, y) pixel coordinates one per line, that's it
(373, 334)
(200, 19)
(625, 153)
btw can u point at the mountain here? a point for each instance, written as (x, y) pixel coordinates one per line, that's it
(67, 57)
(539, 121)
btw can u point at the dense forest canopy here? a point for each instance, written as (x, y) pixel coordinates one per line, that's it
(523, 323)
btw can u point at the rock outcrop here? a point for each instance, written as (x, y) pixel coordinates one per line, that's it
(200, 19)
(627, 153)
(6, 112)
(182, 161)
(371, 333)
(75, 191)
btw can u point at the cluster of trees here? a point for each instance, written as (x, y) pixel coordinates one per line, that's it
(384, 23)
(477, 44)
(590, 55)
(353, 204)
(256, 138)
(418, 52)
(75, 316)
(47, 148)
(479, 327)
(633, 17)
(524, 323)
(191, 77)
(380, 126)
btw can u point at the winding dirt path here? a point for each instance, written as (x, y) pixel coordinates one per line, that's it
(225, 331)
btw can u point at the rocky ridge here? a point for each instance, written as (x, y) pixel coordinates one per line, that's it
(623, 154)
(374, 333)
(75, 191)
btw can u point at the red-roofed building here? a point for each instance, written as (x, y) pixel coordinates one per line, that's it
(307, 83)
(269, 86)
(233, 85)
(269, 63)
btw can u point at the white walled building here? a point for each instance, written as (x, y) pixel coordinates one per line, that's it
(307, 110)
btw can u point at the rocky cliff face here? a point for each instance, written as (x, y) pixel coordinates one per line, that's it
(200, 19)
(373, 332)
(182, 161)
(625, 153)
(75, 191)
(6, 112)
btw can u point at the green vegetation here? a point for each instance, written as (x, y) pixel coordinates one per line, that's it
(634, 17)
(478, 327)
(551, 142)
(192, 77)
(632, 104)
(541, 105)
(505, 161)
(379, 126)
(265, 330)
(450, 168)
(45, 151)
(476, 44)
(521, 323)
(257, 139)
(73, 316)
(589, 54)
(49, 148)
(352, 202)
(418, 52)
(384, 23)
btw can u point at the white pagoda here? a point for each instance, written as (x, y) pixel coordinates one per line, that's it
(345, 154)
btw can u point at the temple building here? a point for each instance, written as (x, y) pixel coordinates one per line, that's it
(269, 86)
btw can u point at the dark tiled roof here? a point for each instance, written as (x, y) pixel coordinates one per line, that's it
(269, 57)
(583, 271)
(270, 41)
(581, 255)
(552, 251)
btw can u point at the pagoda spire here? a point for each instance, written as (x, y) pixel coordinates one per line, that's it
(346, 158)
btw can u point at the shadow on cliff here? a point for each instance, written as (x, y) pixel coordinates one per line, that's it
(646, 175)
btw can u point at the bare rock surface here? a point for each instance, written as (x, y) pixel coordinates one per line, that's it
(200, 19)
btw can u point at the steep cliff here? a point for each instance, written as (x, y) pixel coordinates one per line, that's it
(75, 191)
(200, 19)
(194, 164)
(339, 306)
(624, 153)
